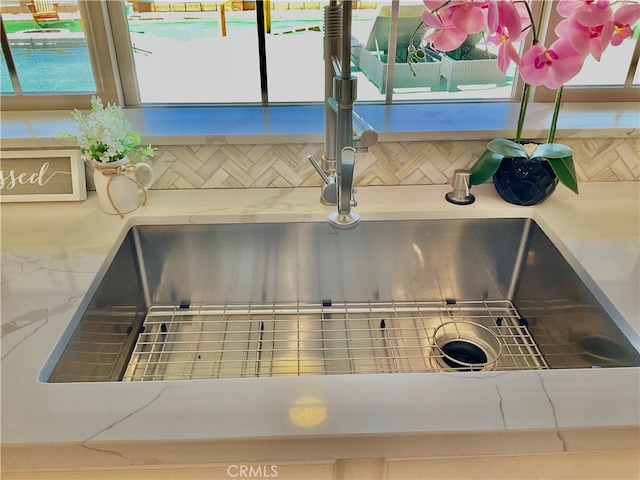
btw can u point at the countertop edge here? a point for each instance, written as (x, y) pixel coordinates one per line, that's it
(19, 457)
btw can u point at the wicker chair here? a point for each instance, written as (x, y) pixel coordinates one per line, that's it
(44, 11)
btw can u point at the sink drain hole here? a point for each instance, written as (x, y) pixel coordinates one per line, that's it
(465, 346)
(463, 355)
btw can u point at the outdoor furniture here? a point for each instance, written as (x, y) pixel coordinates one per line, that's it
(470, 64)
(476, 67)
(43, 11)
(371, 58)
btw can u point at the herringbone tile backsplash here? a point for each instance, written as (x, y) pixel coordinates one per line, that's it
(387, 163)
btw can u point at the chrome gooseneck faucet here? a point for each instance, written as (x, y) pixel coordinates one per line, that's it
(345, 132)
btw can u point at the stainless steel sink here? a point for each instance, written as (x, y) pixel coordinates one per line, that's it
(216, 301)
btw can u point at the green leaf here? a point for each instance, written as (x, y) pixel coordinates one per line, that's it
(485, 167)
(552, 150)
(507, 148)
(565, 171)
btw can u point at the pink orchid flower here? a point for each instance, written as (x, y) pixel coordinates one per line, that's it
(511, 17)
(585, 40)
(492, 15)
(446, 36)
(510, 14)
(508, 31)
(507, 52)
(624, 17)
(589, 13)
(552, 66)
(467, 16)
(434, 4)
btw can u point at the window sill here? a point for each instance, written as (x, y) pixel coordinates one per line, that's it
(305, 123)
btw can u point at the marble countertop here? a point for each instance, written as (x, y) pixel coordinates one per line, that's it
(52, 252)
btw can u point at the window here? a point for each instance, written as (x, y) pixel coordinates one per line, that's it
(197, 52)
(43, 58)
(49, 54)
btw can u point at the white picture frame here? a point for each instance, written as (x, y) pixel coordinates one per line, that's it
(42, 176)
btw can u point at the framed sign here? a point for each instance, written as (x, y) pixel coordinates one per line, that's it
(41, 176)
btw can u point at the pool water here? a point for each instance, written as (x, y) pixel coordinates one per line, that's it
(50, 70)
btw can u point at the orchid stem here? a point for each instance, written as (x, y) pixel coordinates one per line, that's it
(554, 120)
(523, 111)
(532, 24)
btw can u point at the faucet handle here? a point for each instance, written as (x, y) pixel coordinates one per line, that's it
(329, 194)
(319, 169)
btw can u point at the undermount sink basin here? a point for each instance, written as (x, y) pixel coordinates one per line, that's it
(250, 300)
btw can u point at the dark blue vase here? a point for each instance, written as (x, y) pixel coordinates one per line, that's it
(525, 181)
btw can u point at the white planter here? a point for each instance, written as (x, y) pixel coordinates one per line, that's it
(121, 186)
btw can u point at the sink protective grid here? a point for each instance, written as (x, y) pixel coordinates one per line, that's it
(236, 341)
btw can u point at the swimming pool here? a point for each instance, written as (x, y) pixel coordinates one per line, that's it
(43, 70)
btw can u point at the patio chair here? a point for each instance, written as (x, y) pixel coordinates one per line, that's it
(43, 11)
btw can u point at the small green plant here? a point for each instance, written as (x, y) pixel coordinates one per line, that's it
(105, 135)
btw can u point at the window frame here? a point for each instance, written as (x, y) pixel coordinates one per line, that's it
(101, 54)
